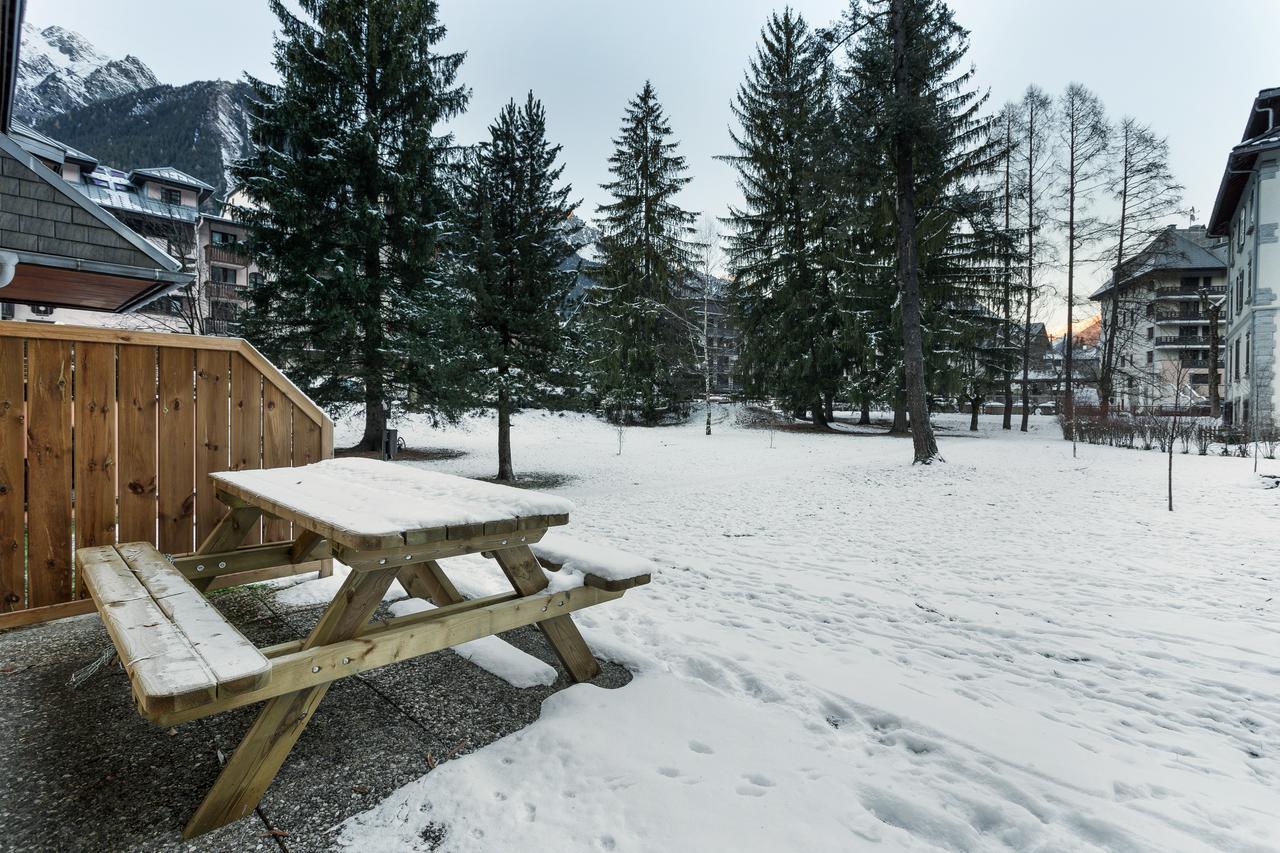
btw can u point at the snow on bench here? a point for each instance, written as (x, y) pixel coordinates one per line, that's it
(178, 650)
(602, 567)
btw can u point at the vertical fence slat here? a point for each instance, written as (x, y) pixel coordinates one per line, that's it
(136, 444)
(277, 417)
(306, 440)
(246, 423)
(49, 472)
(95, 446)
(12, 487)
(212, 443)
(177, 423)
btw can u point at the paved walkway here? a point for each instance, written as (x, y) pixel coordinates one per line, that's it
(80, 770)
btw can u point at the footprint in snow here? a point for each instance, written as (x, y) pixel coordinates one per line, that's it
(700, 748)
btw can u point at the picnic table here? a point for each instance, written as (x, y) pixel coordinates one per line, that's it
(385, 521)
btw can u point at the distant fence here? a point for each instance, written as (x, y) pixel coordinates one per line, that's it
(109, 436)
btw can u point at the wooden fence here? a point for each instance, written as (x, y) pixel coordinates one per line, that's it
(109, 436)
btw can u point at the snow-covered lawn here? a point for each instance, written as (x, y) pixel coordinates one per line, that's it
(1014, 650)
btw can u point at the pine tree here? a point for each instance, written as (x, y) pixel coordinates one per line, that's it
(644, 344)
(926, 131)
(511, 213)
(780, 251)
(351, 207)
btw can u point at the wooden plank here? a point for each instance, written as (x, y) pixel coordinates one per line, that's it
(246, 424)
(235, 526)
(49, 552)
(13, 488)
(257, 759)
(617, 585)
(176, 431)
(236, 663)
(36, 615)
(277, 449)
(396, 640)
(95, 448)
(249, 558)
(136, 452)
(405, 554)
(524, 573)
(213, 443)
(167, 674)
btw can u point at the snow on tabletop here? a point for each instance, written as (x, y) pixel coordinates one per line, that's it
(589, 558)
(370, 497)
(1014, 650)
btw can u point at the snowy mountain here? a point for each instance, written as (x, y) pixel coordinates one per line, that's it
(117, 111)
(200, 128)
(60, 70)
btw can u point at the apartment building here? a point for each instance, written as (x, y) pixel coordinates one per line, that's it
(170, 209)
(1246, 214)
(1160, 322)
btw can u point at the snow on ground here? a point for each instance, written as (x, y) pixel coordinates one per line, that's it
(1013, 650)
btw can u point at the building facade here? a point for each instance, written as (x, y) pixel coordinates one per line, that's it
(163, 205)
(1246, 214)
(1159, 323)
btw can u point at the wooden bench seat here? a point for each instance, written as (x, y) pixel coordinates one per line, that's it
(602, 567)
(177, 648)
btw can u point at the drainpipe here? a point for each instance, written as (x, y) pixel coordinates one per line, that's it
(8, 266)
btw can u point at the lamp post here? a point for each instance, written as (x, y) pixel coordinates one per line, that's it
(1211, 311)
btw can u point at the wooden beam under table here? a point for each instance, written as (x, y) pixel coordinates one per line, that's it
(279, 724)
(399, 639)
(522, 569)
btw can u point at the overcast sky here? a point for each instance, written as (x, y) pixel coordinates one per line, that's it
(1190, 69)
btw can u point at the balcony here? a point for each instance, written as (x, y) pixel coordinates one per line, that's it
(1182, 341)
(1176, 315)
(1176, 291)
(232, 254)
(227, 291)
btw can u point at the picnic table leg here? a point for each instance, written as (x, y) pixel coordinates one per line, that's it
(428, 580)
(522, 569)
(227, 536)
(279, 724)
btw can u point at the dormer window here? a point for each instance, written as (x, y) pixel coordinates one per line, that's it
(169, 196)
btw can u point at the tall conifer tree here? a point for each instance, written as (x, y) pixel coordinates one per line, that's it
(645, 345)
(512, 210)
(779, 251)
(351, 205)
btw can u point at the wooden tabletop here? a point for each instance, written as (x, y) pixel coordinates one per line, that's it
(368, 504)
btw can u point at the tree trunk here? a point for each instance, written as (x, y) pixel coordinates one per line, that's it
(864, 417)
(819, 414)
(829, 406)
(375, 417)
(1215, 401)
(975, 404)
(899, 413)
(925, 446)
(504, 436)
(1006, 421)
(1026, 365)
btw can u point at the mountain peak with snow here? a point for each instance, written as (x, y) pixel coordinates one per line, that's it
(60, 70)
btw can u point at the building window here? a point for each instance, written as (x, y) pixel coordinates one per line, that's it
(223, 238)
(255, 279)
(1248, 351)
(1240, 291)
(224, 275)
(169, 196)
(1235, 362)
(1150, 357)
(1151, 332)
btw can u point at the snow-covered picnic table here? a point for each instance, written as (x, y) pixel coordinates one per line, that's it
(385, 521)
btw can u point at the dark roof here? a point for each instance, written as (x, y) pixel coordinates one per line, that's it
(1261, 133)
(10, 39)
(1173, 249)
(170, 175)
(48, 148)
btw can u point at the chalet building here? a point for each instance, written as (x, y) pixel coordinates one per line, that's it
(1246, 214)
(1162, 326)
(164, 205)
(58, 249)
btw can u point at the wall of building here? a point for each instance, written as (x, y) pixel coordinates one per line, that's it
(1253, 301)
